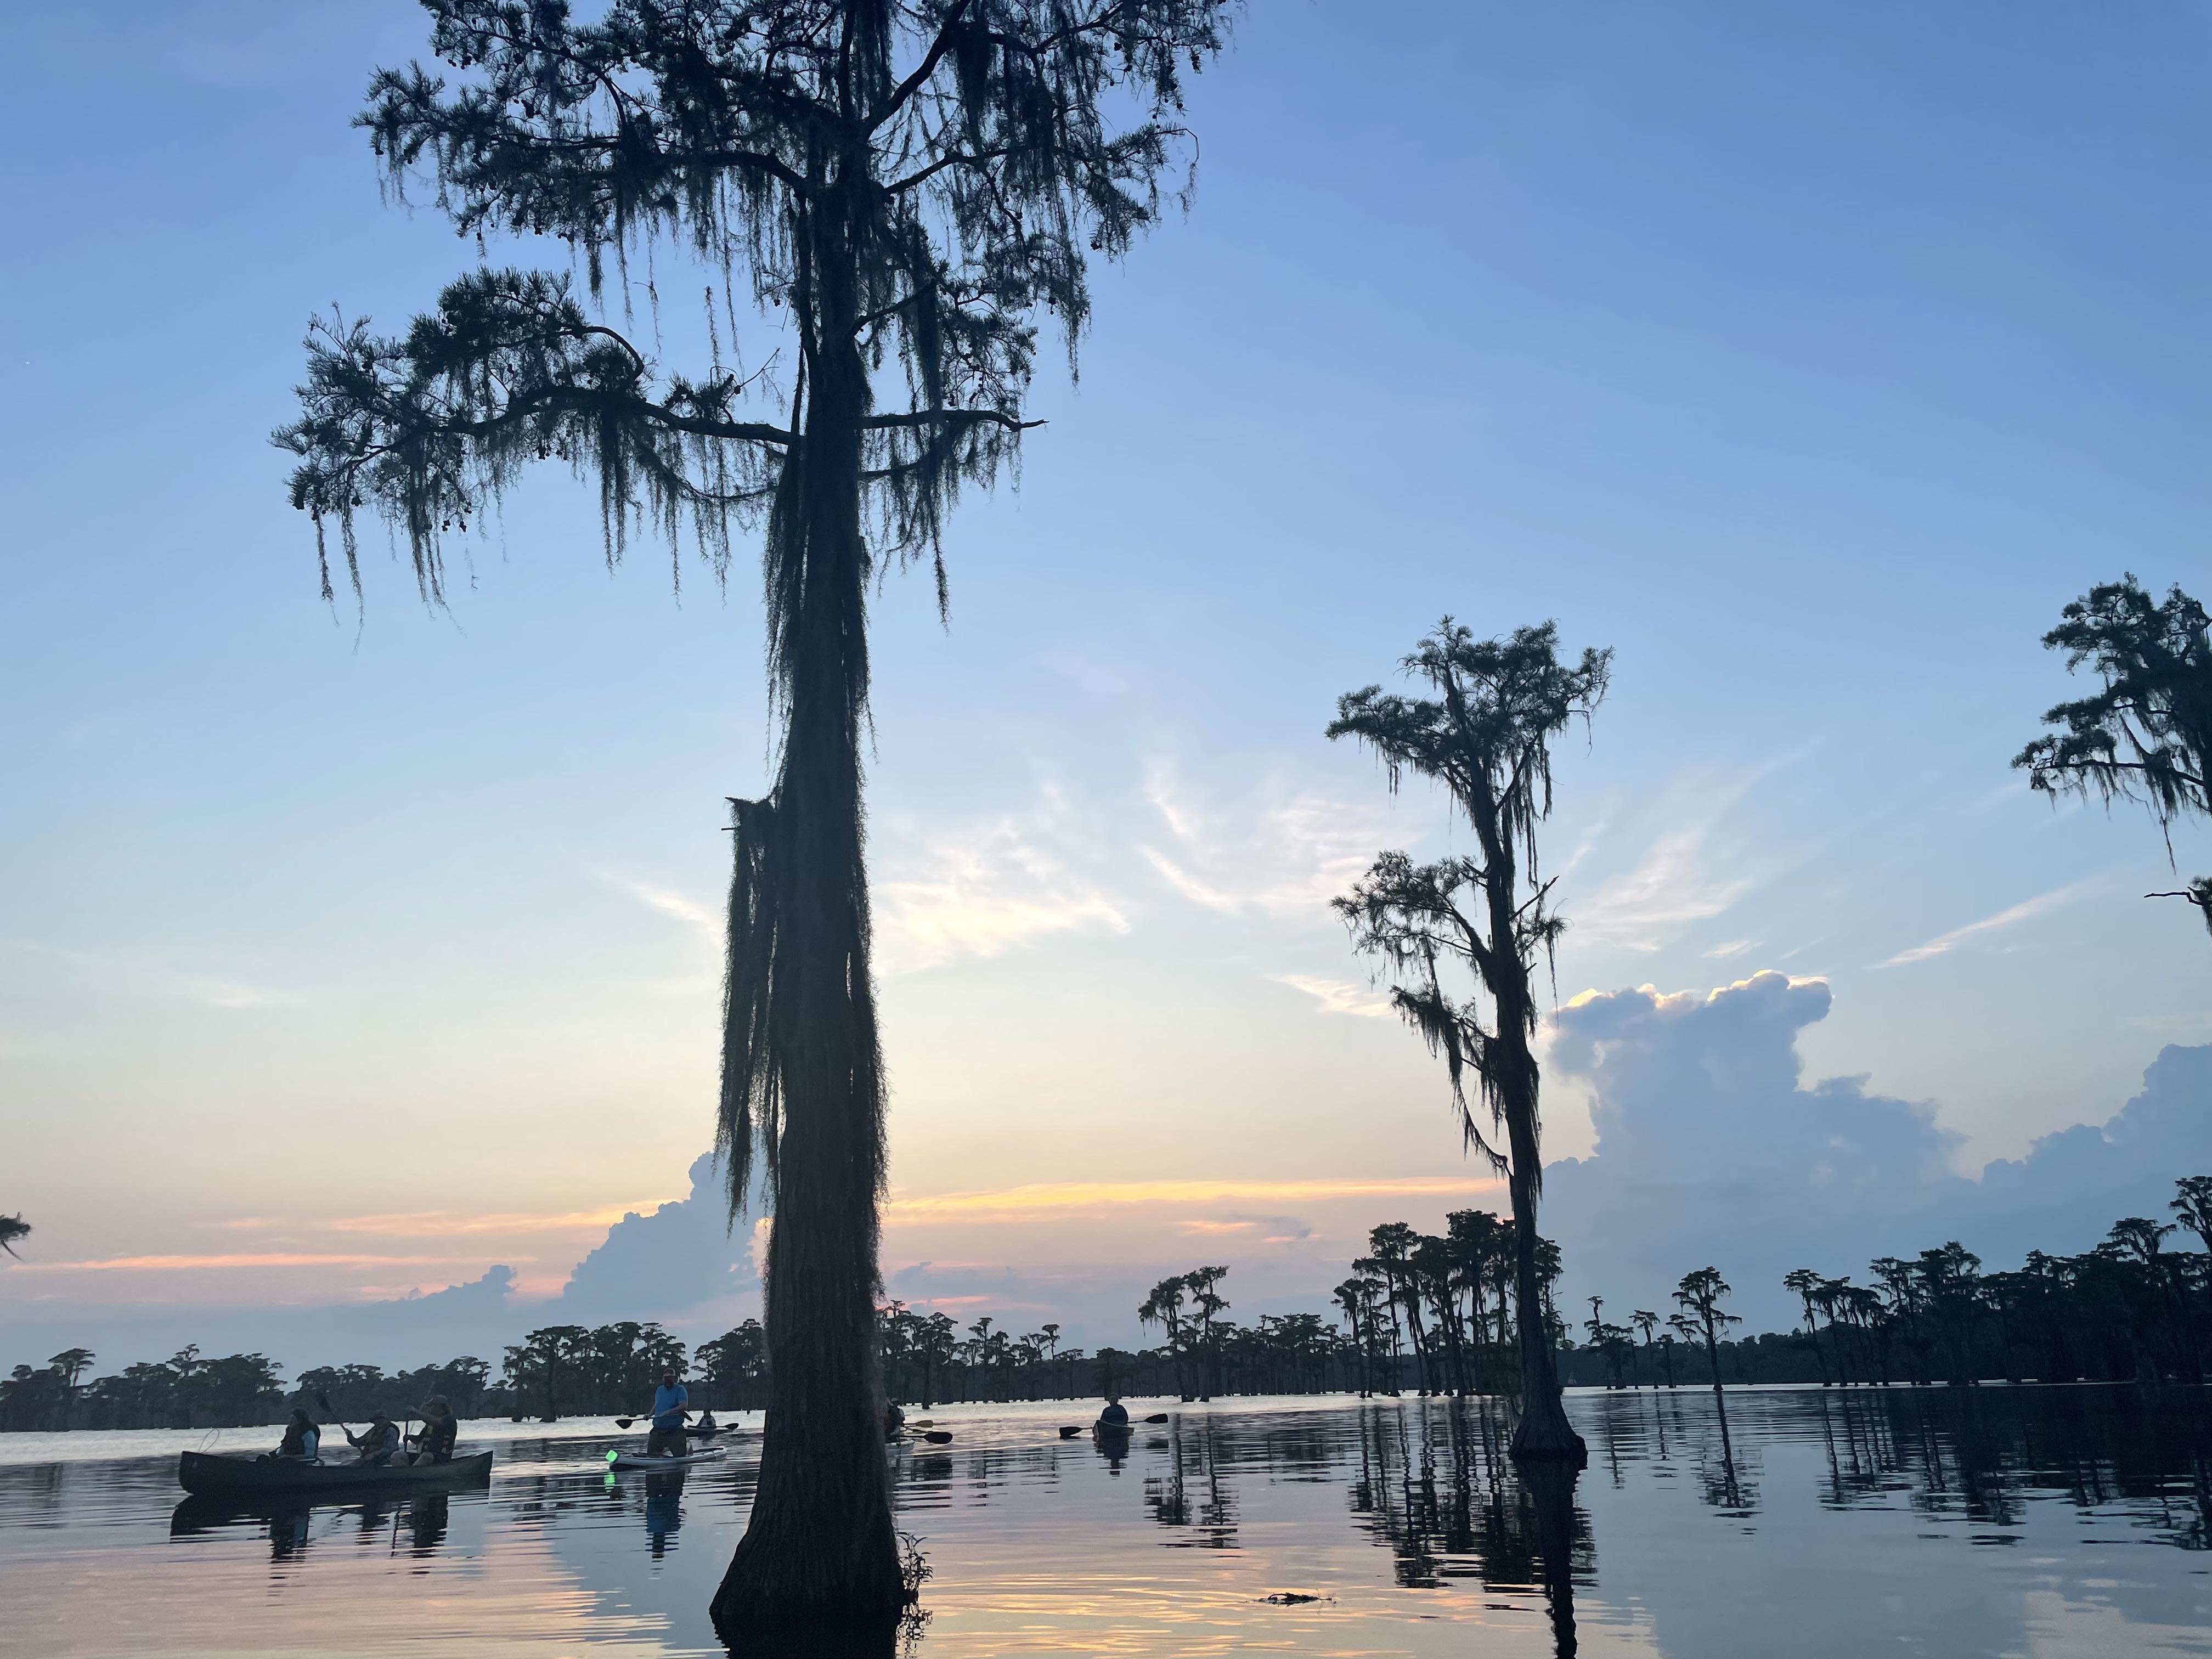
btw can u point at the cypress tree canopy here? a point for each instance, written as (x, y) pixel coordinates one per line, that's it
(916, 181)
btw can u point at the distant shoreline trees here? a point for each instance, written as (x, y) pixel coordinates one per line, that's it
(2132, 1309)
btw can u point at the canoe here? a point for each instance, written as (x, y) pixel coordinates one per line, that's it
(640, 1460)
(207, 1474)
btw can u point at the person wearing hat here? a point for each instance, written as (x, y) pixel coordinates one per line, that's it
(434, 1441)
(669, 1403)
(377, 1442)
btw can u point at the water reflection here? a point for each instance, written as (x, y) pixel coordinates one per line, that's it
(1954, 1520)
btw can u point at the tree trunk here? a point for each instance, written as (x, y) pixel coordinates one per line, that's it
(1544, 1431)
(819, 1550)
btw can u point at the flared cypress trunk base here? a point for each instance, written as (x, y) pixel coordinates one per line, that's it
(772, 1607)
(1545, 1436)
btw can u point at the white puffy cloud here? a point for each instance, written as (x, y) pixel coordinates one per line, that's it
(1711, 1149)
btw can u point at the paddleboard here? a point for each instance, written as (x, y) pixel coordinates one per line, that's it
(640, 1460)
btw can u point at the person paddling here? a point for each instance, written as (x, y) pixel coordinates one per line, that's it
(669, 1401)
(434, 1441)
(377, 1442)
(1116, 1415)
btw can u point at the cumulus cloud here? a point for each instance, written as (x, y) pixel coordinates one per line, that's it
(661, 1263)
(1711, 1148)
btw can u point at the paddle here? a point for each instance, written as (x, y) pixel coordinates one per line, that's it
(624, 1422)
(1068, 1432)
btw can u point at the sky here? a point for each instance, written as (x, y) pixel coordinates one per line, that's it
(358, 968)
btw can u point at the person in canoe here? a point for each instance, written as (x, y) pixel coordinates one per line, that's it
(377, 1443)
(707, 1424)
(302, 1442)
(670, 1402)
(894, 1421)
(1116, 1415)
(434, 1441)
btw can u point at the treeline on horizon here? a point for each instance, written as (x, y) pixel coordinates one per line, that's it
(1424, 1314)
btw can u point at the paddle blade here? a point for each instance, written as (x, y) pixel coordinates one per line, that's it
(1068, 1432)
(938, 1437)
(624, 1422)
(1158, 1417)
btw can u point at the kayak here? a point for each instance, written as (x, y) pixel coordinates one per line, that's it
(1103, 1426)
(210, 1474)
(640, 1460)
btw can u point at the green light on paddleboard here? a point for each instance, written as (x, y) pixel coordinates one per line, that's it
(613, 1456)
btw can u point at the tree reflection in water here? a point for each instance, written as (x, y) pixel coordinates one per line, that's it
(1193, 1464)
(1435, 1485)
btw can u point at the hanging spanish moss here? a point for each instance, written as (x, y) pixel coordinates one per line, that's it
(1487, 916)
(903, 185)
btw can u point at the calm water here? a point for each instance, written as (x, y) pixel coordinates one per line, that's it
(1995, 1521)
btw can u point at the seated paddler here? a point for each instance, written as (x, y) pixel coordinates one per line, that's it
(1116, 1415)
(302, 1442)
(378, 1443)
(434, 1441)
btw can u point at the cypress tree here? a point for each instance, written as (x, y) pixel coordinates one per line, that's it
(903, 185)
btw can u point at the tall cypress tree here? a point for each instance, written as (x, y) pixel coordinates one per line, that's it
(904, 185)
(1486, 737)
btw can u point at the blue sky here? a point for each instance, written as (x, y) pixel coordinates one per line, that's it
(1810, 358)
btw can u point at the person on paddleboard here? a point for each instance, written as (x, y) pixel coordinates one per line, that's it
(668, 1400)
(1116, 1415)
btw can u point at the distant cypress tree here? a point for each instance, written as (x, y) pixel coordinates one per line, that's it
(904, 184)
(2148, 735)
(1486, 736)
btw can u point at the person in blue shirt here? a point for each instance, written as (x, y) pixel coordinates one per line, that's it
(302, 1442)
(668, 1400)
(1116, 1415)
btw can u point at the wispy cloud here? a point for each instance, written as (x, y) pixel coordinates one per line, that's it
(447, 1224)
(1676, 883)
(140, 978)
(1735, 947)
(236, 1259)
(2026, 910)
(1041, 1198)
(1289, 857)
(679, 906)
(1335, 997)
(982, 888)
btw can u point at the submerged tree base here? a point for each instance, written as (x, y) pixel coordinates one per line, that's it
(799, 1638)
(1546, 1438)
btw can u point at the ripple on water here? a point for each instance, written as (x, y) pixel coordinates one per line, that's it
(1799, 1522)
